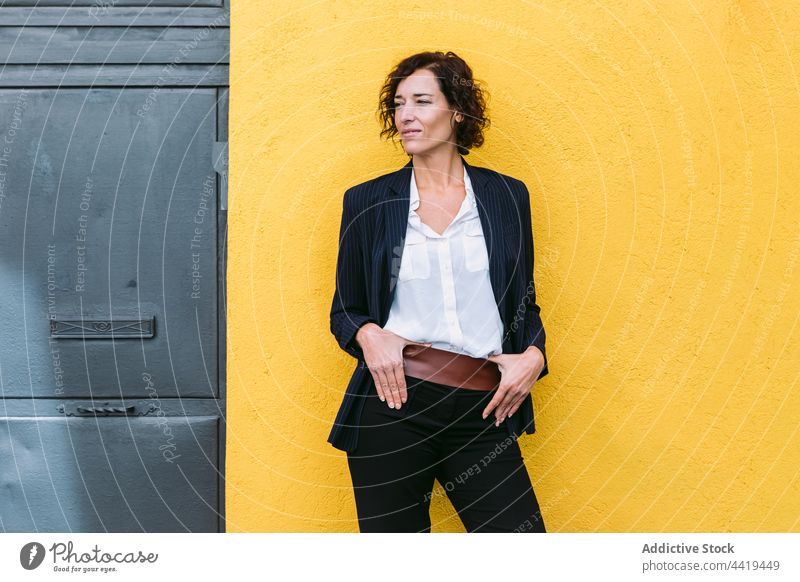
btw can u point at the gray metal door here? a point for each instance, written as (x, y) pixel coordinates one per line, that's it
(113, 187)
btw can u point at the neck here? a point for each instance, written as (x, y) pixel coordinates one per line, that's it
(438, 171)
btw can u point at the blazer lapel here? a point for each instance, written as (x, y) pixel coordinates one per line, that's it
(396, 210)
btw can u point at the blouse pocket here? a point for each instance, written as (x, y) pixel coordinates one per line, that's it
(476, 258)
(415, 263)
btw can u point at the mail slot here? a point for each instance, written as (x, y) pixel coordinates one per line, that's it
(87, 328)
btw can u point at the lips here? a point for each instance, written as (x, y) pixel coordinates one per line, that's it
(411, 132)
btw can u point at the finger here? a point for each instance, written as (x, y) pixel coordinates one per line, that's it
(503, 407)
(400, 378)
(521, 398)
(377, 380)
(392, 388)
(385, 386)
(496, 399)
(516, 405)
(505, 403)
(396, 375)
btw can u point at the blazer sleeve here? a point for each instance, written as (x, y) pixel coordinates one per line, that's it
(349, 309)
(534, 328)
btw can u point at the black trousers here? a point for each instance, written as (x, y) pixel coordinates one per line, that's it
(439, 433)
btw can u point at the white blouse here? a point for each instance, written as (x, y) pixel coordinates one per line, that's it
(444, 294)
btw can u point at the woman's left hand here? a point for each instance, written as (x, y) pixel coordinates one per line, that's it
(518, 373)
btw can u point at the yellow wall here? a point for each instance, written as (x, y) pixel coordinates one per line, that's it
(659, 142)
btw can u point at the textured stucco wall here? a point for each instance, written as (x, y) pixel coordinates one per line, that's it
(659, 142)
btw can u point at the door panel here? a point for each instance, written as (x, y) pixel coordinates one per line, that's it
(72, 44)
(113, 213)
(122, 208)
(109, 474)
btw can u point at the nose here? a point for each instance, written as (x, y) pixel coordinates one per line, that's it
(405, 113)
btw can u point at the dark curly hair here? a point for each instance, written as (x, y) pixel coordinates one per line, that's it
(462, 92)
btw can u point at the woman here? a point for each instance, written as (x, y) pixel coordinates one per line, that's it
(435, 298)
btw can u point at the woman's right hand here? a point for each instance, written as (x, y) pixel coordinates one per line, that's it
(383, 354)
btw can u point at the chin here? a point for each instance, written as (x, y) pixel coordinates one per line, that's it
(413, 148)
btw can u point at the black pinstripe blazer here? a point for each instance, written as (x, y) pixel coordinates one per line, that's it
(371, 241)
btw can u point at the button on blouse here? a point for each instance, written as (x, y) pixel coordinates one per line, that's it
(444, 294)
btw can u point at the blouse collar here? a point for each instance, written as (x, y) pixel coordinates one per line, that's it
(414, 193)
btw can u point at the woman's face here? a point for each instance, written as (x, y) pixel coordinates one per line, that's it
(422, 114)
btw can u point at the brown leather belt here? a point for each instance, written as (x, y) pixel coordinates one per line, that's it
(450, 368)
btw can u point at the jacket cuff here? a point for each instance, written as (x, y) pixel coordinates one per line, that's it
(539, 343)
(351, 325)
